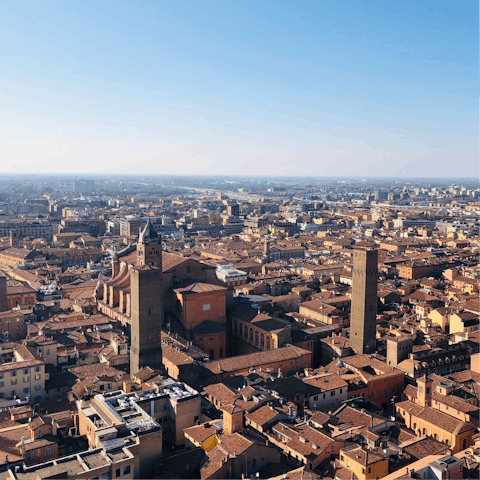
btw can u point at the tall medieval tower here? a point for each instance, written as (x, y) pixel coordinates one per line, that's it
(363, 324)
(147, 303)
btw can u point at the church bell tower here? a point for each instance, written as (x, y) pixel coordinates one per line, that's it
(147, 302)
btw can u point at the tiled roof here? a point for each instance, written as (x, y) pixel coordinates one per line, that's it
(411, 391)
(222, 393)
(200, 433)
(170, 260)
(363, 457)
(421, 447)
(262, 415)
(433, 416)
(326, 382)
(234, 444)
(258, 359)
(199, 287)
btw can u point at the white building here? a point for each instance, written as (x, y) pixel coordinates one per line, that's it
(231, 276)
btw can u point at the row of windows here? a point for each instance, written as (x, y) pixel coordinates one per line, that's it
(25, 390)
(48, 452)
(332, 394)
(363, 469)
(26, 371)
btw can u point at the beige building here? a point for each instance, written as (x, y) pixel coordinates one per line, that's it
(464, 322)
(22, 375)
(172, 405)
(127, 440)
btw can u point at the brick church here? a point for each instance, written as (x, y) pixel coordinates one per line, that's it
(151, 289)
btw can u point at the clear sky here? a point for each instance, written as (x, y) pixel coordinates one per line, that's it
(324, 87)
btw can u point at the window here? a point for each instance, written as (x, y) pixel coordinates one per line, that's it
(13, 382)
(369, 469)
(315, 398)
(332, 393)
(211, 339)
(13, 374)
(126, 470)
(117, 472)
(38, 387)
(25, 379)
(26, 390)
(48, 452)
(105, 475)
(37, 369)
(206, 307)
(435, 436)
(25, 371)
(341, 390)
(414, 426)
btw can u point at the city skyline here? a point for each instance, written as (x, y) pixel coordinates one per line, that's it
(364, 88)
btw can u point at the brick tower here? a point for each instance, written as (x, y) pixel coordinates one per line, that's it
(147, 303)
(363, 324)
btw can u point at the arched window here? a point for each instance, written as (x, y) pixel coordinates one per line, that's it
(268, 343)
(256, 337)
(251, 335)
(235, 326)
(245, 333)
(262, 341)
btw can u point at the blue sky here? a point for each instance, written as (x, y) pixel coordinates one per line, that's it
(363, 88)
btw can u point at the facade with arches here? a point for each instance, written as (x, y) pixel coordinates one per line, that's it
(261, 333)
